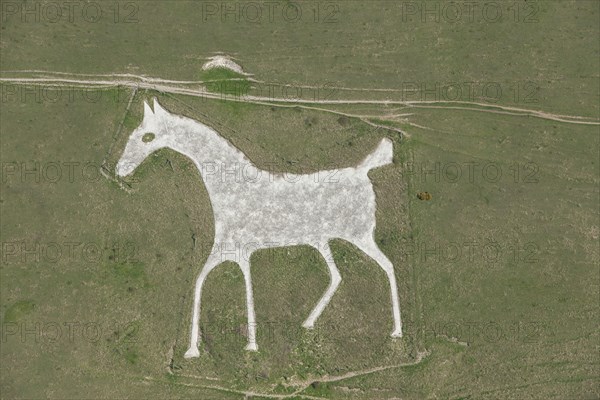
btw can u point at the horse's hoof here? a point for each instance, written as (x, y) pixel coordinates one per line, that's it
(192, 353)
(252, 347)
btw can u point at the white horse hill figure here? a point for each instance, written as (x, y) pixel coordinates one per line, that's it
(268, 210)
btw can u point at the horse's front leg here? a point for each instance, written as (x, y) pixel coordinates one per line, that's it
(245, 267)
(211, 263)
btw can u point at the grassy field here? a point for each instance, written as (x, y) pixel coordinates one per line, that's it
(520, 311)
(516, 55)
(498, 273)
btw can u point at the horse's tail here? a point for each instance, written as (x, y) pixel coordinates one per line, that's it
(382, 155)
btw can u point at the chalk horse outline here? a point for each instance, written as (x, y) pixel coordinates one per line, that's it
(268, 210)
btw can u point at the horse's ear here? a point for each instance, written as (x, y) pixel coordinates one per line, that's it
(158, 107)
(147, 110)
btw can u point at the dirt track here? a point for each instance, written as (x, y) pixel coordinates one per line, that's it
(61, 79)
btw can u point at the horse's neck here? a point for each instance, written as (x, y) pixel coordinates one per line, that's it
(212, 154)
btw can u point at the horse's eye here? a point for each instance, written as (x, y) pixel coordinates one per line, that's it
(148, 137)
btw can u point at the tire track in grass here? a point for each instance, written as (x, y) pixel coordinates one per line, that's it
(165, 86)
(107, 172)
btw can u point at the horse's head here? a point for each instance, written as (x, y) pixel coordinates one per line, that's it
(151, 135)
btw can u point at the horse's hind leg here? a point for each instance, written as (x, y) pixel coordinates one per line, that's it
(245, 267)
(195, 335)
(335, 282)
(371, 249)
